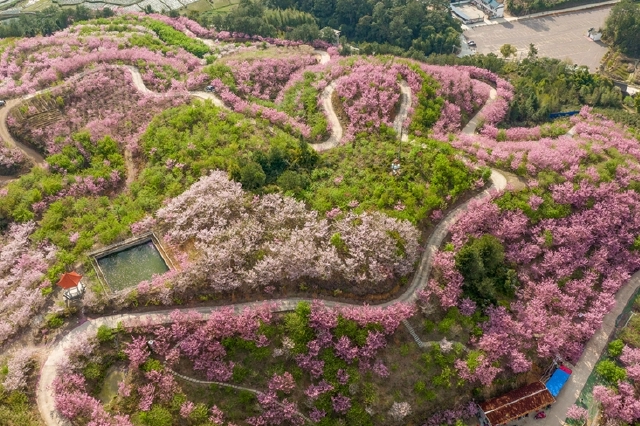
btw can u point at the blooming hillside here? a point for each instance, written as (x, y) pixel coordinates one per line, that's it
(273, 174)
(569, 239)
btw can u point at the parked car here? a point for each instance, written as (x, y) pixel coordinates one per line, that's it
(2, 103)
(210, 89)
(471, 43)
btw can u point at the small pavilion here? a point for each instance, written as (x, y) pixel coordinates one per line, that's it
(72, 283)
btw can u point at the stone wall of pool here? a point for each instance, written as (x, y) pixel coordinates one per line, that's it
(130, 262)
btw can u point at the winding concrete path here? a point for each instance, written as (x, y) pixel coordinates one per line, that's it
(405, 103)
(336, 127)
(471, 126)
(45, 400)
(48, 372)
(38, 159)
(34, 156)
(590, 356)
(558, 411)
(324, 57)
(138, 83)
(596, 345)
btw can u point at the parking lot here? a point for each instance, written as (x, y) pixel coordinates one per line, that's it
(561, 36)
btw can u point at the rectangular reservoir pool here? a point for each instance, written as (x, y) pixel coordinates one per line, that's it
(131, 265)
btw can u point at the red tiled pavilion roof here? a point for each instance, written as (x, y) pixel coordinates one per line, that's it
(69, 280)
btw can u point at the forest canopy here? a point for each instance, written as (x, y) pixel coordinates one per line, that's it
(622, 27)
(49, 20)
(424, 27)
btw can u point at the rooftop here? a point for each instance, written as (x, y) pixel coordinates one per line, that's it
(517, 403)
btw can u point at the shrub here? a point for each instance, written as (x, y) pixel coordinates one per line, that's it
(429, 326)
(105, 334)
(252, 176)
(15, 410)
(157, 416)
(152, 365)
(631, 333)
(240, 373)
(54, 320)
(611, 372)
(199, 414)
(93, 371)
(481, 263)
(445, 325)
(615, 348)
(173, 37)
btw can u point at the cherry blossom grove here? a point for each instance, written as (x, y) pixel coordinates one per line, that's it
(196, 343)
(104, 102)
(65, 53)
(12, 160)
(22, 272)
(335, 248)
(581, 233)
(354, 248)
(620, 402)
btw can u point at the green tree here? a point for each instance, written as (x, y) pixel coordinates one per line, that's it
(508, 50)
(247, 17)
(48, 21)
(416, 28)
(636, 99)
(252, 176)
(611, 372)
(157, 416)
(292, 181)
(615, 348)
(486, 277)
(622, 27)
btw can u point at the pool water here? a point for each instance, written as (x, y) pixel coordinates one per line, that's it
(110, 386)
(132, 265)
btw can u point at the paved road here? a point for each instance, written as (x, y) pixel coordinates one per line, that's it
(324, 57)
(559, 36)
(470, 128)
